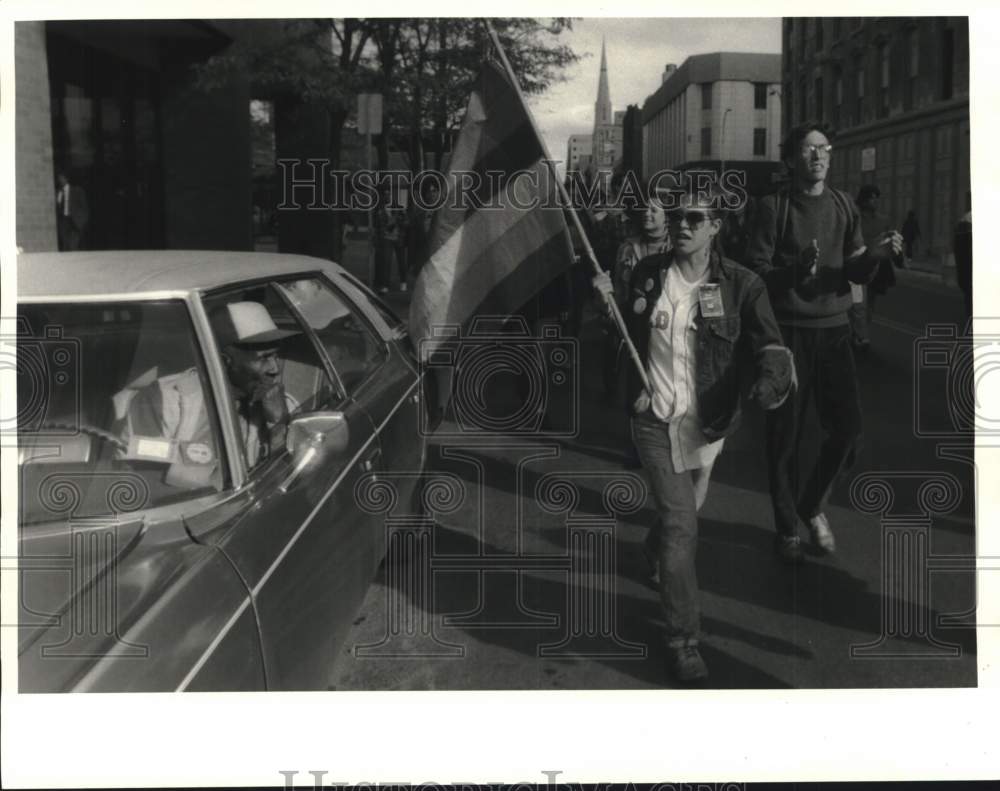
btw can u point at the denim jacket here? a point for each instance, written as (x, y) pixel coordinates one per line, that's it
(734, 351)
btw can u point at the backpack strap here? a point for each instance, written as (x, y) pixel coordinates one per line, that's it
(782, 211)
(843, 202)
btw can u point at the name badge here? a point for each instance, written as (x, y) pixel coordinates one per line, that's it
(150, 448)
(710, 299)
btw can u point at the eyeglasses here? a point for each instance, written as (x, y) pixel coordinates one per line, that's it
(693, 218)
(823, 151)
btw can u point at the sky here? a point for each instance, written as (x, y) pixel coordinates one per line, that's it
(638, 49)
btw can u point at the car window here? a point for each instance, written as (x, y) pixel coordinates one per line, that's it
(273, 370)
(113, 395)
(353, 348)
(360, 292)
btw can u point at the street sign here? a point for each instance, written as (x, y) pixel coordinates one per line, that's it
(370, 113)
(867, 159)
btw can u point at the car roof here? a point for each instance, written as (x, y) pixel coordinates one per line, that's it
(107, 272)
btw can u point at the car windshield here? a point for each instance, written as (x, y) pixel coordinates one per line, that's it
(115, 413)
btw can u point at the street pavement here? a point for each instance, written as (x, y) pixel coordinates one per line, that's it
(530, 575)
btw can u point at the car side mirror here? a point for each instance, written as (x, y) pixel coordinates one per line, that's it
(312, 438)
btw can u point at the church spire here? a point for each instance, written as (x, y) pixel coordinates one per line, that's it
(602, 107)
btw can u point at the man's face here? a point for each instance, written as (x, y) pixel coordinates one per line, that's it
(654, 219)
(810, 161)
(253, 371)
(692, 227)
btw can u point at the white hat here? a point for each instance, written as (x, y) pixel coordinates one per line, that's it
(247, 323)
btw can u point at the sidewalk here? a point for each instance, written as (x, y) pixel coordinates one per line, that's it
(930, 271)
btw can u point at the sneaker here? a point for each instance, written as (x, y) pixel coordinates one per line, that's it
(686, 664)
(789, 549)
(822, 535)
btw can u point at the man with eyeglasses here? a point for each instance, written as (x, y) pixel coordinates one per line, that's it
(807, 245)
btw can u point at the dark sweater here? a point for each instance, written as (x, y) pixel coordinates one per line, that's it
(822, 301)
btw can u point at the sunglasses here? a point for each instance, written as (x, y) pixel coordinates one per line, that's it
(694, 218)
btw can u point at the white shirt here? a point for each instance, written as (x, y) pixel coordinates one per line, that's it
(671, 371)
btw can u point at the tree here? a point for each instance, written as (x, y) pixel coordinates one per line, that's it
(440, 59)
(313, 69)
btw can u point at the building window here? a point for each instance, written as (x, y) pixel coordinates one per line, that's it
(760, 142)
(914, 46)
(912, 70)
(836, 28)
(859, 116)
(706, 141)
(947, 62)
(818, 90)
(883, 89)
(706, 96)
(760, 96)
(819, 33)
(838, 95)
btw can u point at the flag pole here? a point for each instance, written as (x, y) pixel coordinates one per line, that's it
(608, 298)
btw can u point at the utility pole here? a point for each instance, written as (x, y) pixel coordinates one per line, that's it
(370, 123)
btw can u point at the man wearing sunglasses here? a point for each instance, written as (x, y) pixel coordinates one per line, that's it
(807, 245)
(703, 328)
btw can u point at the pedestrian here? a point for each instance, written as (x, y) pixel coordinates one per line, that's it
(911, 232)
(863, 296)
(422, 223)
(808, 246)
(873, 224)
(72, 213)
(962, 247)
(700, 323)
(736, 233)
(390, 226)
(650, 221)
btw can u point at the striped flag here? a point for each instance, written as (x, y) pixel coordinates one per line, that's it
(491, 260)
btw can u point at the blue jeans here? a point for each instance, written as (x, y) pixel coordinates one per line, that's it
(675, 539)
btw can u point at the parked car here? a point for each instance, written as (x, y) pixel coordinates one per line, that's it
(181, 529)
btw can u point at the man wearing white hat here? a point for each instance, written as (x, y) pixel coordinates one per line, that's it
(166, 419)
(249, 341)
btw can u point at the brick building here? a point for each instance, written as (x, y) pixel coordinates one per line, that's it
(719, 106)
(896, 89)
